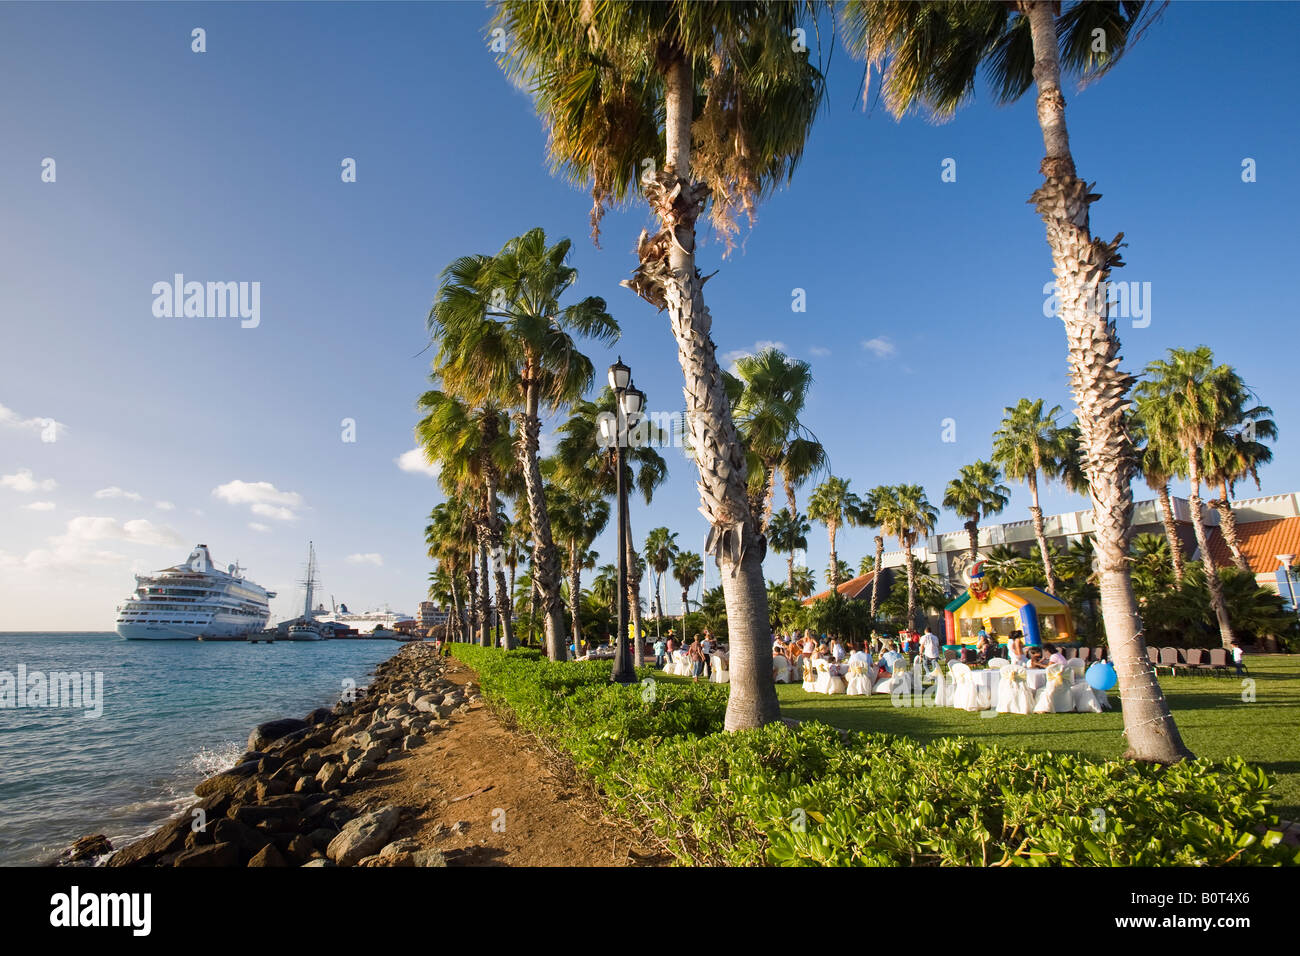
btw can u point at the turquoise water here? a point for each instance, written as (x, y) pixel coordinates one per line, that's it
(173, 712)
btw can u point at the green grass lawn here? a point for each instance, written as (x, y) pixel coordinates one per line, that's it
(1214, 720)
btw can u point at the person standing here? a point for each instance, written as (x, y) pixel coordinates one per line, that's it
(660, 648)
(706, 648)
(930, 649)
(1239, 658)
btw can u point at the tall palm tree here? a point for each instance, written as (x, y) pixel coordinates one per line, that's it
(578, 514)
(1237, 452)
(723, 95)
(788, 533)
(805, 582)
(976, 492)
(930, 54)
(474, 448)
(1160, 462)
(876, 503)
(833, 505)
(767, 417)
(581, 451)
(1027, 444)
(1186, 399)
(450, 539)
(687, 568)
(660, 550)
(908, 515)
(503, 335)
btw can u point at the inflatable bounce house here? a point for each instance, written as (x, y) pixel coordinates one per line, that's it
(999, 611)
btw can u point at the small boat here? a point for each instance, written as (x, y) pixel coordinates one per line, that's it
(305, 631)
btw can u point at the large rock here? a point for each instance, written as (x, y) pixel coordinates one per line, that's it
(320, 715)
(230, 782)
(331, 776)
(268, 856)
(264, 735)
(169, 838)
(363, 836)
(87, 848)
(219, 854)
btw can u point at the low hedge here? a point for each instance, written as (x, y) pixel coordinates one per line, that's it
(808, 796)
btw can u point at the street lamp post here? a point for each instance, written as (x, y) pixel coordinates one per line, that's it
(628, 404)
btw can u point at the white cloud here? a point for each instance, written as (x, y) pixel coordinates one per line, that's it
(258, 526)
(415, 461)
(736, 355)
(818, 351)
(22, 481)
(116, 492)
(40, 506)
(263, 498)
(370, 558)
(164, 506)
(880, 346)
(49, 429)
(80, 543)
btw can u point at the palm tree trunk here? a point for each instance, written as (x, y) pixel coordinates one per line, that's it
(789, 570)
(835, 560)
(769, 494)
(457, 607)
(546, 565)
(633, 599)
(1081, 266)
(1171, 530)
(504, 609)
(1228, 527)
(471, 623)
(1207, 561)
(686, 606)
(485, 592)
(789, 494)
(875, 581)
(1040, 535)
(973, 533)
(667, 277)
(575, 591)
(911, 586)
(494, 534)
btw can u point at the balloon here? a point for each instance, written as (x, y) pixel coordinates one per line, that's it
(1101, 676)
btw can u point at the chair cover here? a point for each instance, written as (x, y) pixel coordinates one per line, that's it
(897, 683)
(809, 677)
(1014, 696)
(965, 695)
(996, 663)
(718, 669)
(780, 670)
(828, 682)
(1056, 696)
(1077, 666)
(859, 683)
(1085, 698)
(943, 689)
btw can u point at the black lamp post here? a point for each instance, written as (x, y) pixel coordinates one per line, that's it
(628, 404)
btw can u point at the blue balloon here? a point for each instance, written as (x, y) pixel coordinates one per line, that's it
(1101, 676)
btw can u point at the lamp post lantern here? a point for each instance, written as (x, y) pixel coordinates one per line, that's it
(629, 403)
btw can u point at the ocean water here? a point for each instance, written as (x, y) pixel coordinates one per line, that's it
(172, 713)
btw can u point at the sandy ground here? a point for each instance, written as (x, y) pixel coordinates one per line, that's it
(486, 795)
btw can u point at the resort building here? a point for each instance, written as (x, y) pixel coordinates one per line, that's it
(430, 615)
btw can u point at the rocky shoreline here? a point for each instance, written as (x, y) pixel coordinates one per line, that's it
(284, 801)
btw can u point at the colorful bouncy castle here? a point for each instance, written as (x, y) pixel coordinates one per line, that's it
(999, 611)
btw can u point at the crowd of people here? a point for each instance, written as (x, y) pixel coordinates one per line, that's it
(699, 652)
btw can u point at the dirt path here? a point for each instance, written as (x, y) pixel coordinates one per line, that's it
(486, 796)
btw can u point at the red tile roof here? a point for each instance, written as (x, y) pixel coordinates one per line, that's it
(1261, 543)
(850, 589)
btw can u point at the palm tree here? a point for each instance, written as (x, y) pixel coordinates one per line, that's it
(804, 582)
(908, 515)
(877, 501)
(660, 550)
(450, 539)
(976, 492)
(503, 335)
(1160, 462)
(581, 450)
(1027, 444)
(687, 568)
(930, 54)
(767, 417)
(474, 447)
(604, 587)
(788, 533)
(1187, 400)
(578, 514)
(724, 96)
(1237, 452)
(833, 505)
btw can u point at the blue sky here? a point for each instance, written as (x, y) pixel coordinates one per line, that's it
(924, 298)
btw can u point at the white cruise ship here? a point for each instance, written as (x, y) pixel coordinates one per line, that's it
(364, 621)
(194, 600)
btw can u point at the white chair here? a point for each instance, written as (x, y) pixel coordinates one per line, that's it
(718, 669)
(780, 670)
(997, 663)
(1076, 666)
(899, 682)
(1013, 694)
(1086, 699)
(859, 684)
(943, 689)
(829, 682)
(809, 676)
(682, 664)
(965, 694)
(1056, 696)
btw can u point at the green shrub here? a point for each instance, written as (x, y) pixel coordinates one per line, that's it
(808, 796)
